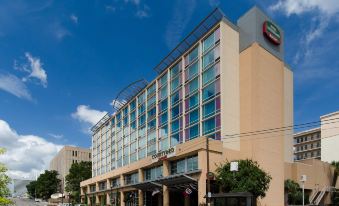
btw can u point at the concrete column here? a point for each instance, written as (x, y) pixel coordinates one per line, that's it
(108, 199)
(140, 192)
(97, 200)
(122, 183)
(202, 179)
(165, 192)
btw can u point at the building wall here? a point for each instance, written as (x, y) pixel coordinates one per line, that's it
(307, 144)
(262, 99)
(330, 137)
(68, 155)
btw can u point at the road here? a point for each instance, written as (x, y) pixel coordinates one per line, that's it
(27, 202)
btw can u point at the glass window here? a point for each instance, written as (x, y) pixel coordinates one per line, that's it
(163, 106)
(133, 157)
(151, 137)
(142, 142)
(178, 166)
(142, 98)
(151, 149)
(192, 86)
(208, 42)
(192, 163)
(151, 89)
(210, 57)
(151, 113)
(176, 111)
(192, 71)
(118, 116)
(175, 70)
(176, 97)
(141, 109)
(142, 131)
(163, 144)
(152, 124)
(211, 90)
(142, 153)
(163, 118)
(175, 83)
(192, 117)
(133, 116)
(163, 131)
(175, 126)
(142, 119)
(151, 101)
(211, 107)
(192, 132)
(163, 80)
(163, 92)
(175, 139)
(192, 102)
(132, 105)
(211, 124)
(210, 74)
(191, 56)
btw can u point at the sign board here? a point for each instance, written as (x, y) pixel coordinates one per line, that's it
(234, 167)
(164, 154)
(271, 32)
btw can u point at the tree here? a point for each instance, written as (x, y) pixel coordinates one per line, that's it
(294, 193)
(248, 178)
(31, 188)
(4, 181)
(77, 173)
(47, 184)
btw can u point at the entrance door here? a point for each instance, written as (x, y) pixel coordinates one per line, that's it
(177, 198)
(131, 198)
(152, 200)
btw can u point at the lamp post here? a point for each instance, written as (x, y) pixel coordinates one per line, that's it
(303, 180)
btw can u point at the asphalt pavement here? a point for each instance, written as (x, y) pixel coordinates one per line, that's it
(27, 202)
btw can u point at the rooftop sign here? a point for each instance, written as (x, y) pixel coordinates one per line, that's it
(271, 32)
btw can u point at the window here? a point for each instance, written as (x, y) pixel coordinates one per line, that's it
(176, 97)
(184, 165)
(151, 113)
(151, 101)
(142, 142)
(192, 86)
(151, 90)
(192, 132)
(176, 138)
(211, 39)
(132, 105)
(211, 107)
(132, 115)
(142, 98)
(163, 144)
(192, 102)
(163, 93)
(175, 70)
(163, 80)
(142, 120)
(210, 74)
(163, 106)
(192, 71)
(163, 131)
(153, 173)
(152, 124)
(191, 56)
(141, 109)
(142, 153)
(175, 83)
(192, 163)
(211, 90)
(210, 57)
(211, 125)
(192, 117)
(176, 111)
(163, 118)
(131, 178)
(151, 149)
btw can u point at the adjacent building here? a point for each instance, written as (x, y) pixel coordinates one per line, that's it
(224, 82)
(319, 143)
(68, 155)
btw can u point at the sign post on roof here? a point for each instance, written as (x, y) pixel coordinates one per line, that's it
(164, 154)
(271, 32)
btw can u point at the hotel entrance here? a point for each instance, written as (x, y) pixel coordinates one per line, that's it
(131, 198)
(153, 198)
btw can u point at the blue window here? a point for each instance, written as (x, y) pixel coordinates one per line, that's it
(175, 70)
(210, 57)
(132, 105)
(211, 90)
(194, 116)
(142, 153)
(163, 105)
(163, 92)
(163, 131)
(192, 132)
(142, 119)
(208, 109)
(175, 97)
(192, 101)
(176, 111)
(151, 101)
(175, 126)
(141, 109)
(175, 83)
(175, 139)
(151, 113)
(163, 118)
(151, 89)
(132, 116)
(151, 124)
(192, 71)
(210, 74)
(163, 80)
(192, 86)
(192, 56)
(208, 126)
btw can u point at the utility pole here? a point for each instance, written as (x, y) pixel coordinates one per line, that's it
(208, 171)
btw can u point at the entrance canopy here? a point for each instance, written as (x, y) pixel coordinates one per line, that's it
(148, 186)
(178, 182)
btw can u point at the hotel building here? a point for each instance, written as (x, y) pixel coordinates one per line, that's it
(222, 80)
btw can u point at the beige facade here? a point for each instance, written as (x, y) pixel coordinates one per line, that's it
(330, 137)
(307, 144)
(68, 155)
(256, 92)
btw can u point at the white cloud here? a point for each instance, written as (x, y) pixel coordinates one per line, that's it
(289, 7)
(143, 13)
(56, 136)
(59, 31)
(87, 115)
(74, 18)
(15, 86)
(183, 11)
(27, 155)
(35, 69)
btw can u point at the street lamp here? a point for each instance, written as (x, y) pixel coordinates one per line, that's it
(303, 180)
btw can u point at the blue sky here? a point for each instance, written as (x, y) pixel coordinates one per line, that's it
(63, 62)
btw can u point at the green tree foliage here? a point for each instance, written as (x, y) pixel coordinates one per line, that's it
(248, 178)
(4, 181)
(294, 193)
(77, 173)
(46, 185)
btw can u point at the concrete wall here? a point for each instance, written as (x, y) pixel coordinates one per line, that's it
(330, 137)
